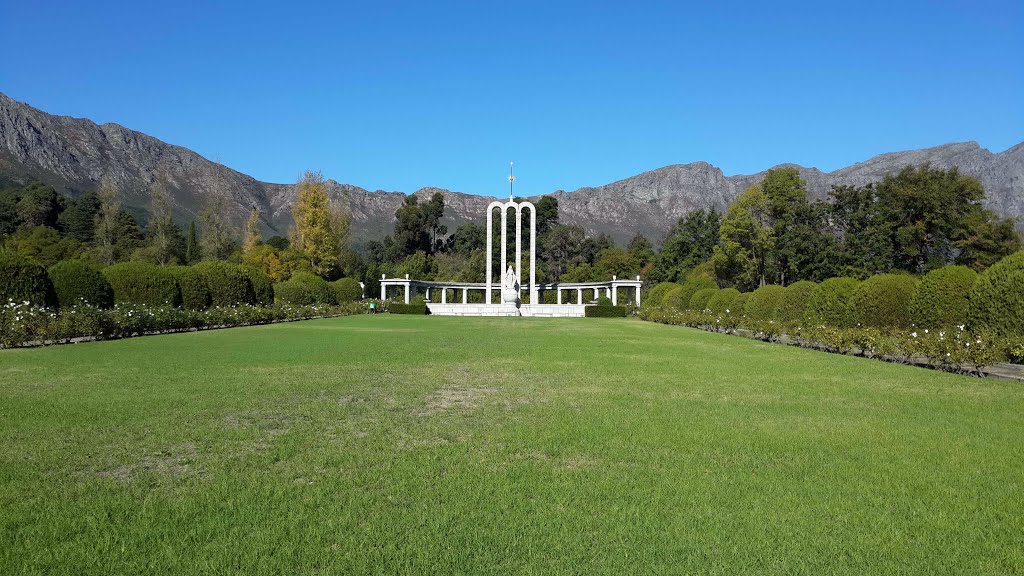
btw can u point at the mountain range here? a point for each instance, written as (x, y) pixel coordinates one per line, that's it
(75, 154)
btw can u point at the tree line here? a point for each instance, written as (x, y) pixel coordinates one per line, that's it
(916, 220)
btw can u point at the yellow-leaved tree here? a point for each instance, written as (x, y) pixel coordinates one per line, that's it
(320, 230)
(253, 237)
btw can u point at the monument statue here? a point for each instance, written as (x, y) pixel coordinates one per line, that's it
(510, 288)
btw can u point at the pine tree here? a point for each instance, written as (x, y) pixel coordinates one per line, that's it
(191, 245)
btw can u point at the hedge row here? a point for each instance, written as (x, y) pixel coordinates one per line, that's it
(198, 287)
(952, 296)
(600, 311)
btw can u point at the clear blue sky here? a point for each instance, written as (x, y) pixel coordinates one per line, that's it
(400, 95)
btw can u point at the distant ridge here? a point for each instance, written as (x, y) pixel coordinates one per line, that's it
(75, 154)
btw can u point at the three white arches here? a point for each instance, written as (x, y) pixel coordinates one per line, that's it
(519, 208)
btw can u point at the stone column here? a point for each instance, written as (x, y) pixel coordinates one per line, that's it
(559, 292)
(504, 240)
(407, 292)
(615, 295)
(579, 295)
(597, 293)
(534, 299)
(444, 295)
(519, 246)
(637, 301)
(465, 295)
(427, 295)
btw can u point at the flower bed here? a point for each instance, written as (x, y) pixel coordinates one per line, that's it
(954, 350)
(22, 324)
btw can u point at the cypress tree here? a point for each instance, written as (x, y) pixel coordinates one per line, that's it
(191, 246)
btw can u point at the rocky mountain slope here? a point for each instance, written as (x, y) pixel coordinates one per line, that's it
(75, 154)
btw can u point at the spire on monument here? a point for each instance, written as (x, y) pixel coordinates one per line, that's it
(511, 179)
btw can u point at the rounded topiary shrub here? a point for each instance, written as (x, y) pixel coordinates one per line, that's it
(142, 283)
(883, 301)
(722, 302)
(346, 290)
(673, 300)
(831, 302)
(739, 304)
(318, 287)
(195, 294)
(692, 286)
(262, 286)
(228, 283)
(24, 280)
(997, 301)
(942, 297)
(763, 303)
(656, 296)
(699, 300)
(76, 282)
(292, 292)
(792, 304)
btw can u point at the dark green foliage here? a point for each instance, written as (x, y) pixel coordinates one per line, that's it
(604, 301)
(228, 283)
(292, 292)
(76, 282)
(673, 299)
(24, 280)
(792, 305)
(883, 301)
(763, 303)
(689, 243)
(278, 242)
(346, 290)
(831, 302)
(78, 220)
(997, 301)
(262, 286)
(699, 300)
(142, 283)
(547, 213)
(656, 296)
(415, 308)
(942, 297)
(691, 286)
(195, 293)
(318, 287)
(192, 251)
(724, 301)
(605, 311)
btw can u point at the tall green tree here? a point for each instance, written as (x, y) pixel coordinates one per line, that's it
(192, 252)
(691, 241)
(743, 257)
(217, 239)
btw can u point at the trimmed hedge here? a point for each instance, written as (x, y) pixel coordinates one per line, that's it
(318, 287)
(76, 282)
(416, 309)
(792, 304)
(943, 296)
(997, 301)
(692, 286)
(228, 283)
(24, 280)
(142, 283)
(195, 294)
(883, 301)
(346, 290)
(262, 286)
(601, 311)
(656, 296)
(292, 292)
(763, 303)
(831, 302)
(699, 300)
(723, 301)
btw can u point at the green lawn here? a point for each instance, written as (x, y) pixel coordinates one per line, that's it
(402, 444)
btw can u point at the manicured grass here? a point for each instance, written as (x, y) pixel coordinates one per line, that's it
(403, 444)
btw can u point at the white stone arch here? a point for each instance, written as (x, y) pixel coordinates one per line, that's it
(519, 207)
